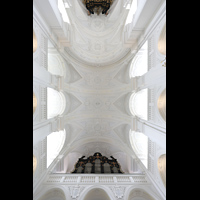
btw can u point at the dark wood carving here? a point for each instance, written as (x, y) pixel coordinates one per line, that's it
(96, 164)
(97, 6)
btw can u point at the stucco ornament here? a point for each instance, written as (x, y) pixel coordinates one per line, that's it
(75, 191)
(118, 191)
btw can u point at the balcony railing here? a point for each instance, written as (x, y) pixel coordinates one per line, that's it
(73, 179)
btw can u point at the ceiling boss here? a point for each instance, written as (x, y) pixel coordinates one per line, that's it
(97, 6)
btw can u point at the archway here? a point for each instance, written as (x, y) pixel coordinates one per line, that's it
(53, 194)
(139, 194)
(56, 103)
(97, 193)
(138, 104)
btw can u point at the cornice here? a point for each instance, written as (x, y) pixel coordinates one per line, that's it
(156, 19)
(40, 21)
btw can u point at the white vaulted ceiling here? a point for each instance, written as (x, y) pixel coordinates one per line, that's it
(98, 50)
(97, 39)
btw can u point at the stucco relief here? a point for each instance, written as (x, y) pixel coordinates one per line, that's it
(97, 103)
(96, 80)
(97, 24)
(118, 191)
(98, 37)
(75, 191)
(98, 127)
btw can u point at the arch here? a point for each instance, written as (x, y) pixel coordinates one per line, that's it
(52, 194)
(96, 194)
(161, 104)
(35, 42)
(138, 104)
(55, 142)
(106, 191)
(56, 103)
(162, 41)
(161, 164)
(140, 193)
(101, 139)
(122, 103)
(55, 66)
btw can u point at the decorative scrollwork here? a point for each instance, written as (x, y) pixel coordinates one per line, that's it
(97, 6)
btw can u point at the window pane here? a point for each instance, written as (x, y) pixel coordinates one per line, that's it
(139, 143)
(55, 142)
(139, 104)
(139, 65)
(55, 103)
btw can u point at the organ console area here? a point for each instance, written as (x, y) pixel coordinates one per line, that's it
(97, 164)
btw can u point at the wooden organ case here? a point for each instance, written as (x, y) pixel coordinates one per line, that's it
(97, 164)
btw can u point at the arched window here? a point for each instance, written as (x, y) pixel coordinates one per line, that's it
(138, 104)
(55, 142)
(55, 103)
(139, 143)
(139, 64)
(55, 65)
(132, 10)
